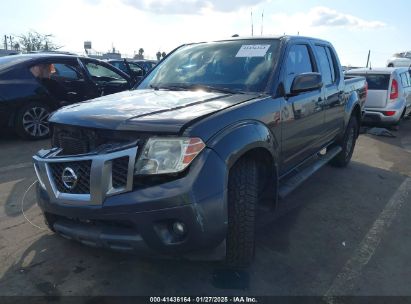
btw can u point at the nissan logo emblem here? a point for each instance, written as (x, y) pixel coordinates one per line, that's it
(69, 178)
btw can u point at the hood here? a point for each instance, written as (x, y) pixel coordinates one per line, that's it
(147, 110)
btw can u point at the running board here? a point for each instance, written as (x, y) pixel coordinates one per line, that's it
(290, 184)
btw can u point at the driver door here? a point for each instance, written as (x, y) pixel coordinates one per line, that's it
(105, 78)
(303, 114)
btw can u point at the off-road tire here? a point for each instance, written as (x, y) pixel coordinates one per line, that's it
(343, 158)
(243, 197)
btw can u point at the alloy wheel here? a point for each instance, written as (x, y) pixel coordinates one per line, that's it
(35, 122)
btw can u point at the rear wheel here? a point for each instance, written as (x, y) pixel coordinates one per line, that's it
(391, 65)
(243, 189)
(347, 144)
(32, 121)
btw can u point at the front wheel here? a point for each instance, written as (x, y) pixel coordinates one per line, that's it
(32, 121)
(242, 202)
(347, 144)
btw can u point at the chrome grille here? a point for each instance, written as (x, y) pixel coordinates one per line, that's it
(88, 179)
(82, 170)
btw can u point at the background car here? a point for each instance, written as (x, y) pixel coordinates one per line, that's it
(400, 60)
(147, 65)
(389, 94)
(34, 85)
(134, 70)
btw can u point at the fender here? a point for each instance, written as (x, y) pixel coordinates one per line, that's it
(236, 140)
(353, 101)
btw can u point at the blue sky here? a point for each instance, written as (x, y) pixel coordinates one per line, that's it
(354, 27)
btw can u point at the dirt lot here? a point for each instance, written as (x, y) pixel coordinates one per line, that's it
(347, 232)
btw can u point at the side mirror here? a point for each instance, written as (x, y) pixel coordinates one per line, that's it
(306, 82)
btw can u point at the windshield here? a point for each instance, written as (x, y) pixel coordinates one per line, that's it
(241, 65)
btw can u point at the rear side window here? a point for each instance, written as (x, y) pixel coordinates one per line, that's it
(405, 80)
(377, 81)
(326, 65)
(298, 62)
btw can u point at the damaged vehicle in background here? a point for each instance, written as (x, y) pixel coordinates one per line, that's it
(216, 132)
(389, 95)
(34, 85)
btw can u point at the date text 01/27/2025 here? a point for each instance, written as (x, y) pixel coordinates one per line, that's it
(203, 300)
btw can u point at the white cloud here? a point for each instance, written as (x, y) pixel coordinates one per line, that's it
(318, 21)
(194, 7)
(324, 16)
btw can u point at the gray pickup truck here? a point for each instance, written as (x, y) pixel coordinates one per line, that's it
(181, 164)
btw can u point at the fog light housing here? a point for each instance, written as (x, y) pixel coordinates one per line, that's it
(179, 228)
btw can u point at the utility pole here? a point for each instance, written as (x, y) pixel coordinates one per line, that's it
(11, 42)
(5, 42)
(368, 58)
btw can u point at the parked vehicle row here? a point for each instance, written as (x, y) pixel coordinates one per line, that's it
(34, 85)
(136, 69)
(181, 164)
(389, 94)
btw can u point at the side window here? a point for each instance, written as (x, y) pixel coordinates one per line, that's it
(404, 80)
(325, 65)
(121, 66)
(67, 71)
(100, 73)
(298, 62)
(136, 69)
(56, 71)
(333, 64)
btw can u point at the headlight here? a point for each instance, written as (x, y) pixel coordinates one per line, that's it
(167, 155)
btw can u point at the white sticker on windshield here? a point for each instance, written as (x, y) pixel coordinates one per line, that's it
(253, 50)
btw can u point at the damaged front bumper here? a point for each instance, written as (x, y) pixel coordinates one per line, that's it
(119, 215)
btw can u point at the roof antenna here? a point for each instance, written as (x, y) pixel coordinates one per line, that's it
(252, 24)
(262, 22)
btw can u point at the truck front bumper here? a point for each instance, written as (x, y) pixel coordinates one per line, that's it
(142, 219)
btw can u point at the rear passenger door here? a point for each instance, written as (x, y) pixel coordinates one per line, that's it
(333, 91)
(302, 114)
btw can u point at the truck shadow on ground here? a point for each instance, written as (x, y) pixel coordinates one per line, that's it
(299, 253)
